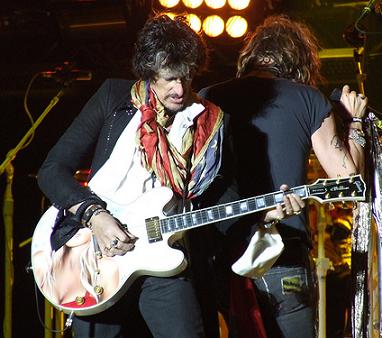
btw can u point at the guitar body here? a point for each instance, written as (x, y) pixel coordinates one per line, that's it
(153, 259)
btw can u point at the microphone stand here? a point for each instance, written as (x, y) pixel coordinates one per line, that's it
(8, 209)
(323, 264)
(366, 272)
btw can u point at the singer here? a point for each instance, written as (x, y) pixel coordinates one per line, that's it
(277, 116)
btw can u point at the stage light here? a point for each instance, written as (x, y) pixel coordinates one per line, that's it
(169, 3)
(195, 22)
(236, 26)
(238, 4)
(192, 3)
(215, 4)
(216, 18)
(213, 25)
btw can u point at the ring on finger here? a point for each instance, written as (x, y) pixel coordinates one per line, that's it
(113, 243)
(297, 212)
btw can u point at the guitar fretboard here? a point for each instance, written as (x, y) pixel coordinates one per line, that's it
(226, 211)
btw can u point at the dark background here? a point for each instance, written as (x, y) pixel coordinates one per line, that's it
(40, 35)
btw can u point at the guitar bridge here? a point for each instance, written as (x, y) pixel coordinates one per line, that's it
(154, 233)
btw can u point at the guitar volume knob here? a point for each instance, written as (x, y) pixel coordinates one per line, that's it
(80, 300)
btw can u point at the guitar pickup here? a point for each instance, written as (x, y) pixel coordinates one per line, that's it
(154, 233)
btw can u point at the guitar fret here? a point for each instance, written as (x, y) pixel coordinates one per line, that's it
(278, 198)
(243, 206)
(260, 202)
(236, 210)
(252, 204)
(269, 200)
(178, 223)
(210, 215)
(187, 221)
(171, 224)
(228, 210)
(300, 191)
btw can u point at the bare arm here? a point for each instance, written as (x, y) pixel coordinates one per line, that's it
(336, 157)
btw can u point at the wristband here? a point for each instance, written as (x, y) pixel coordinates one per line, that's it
(356, 119)
(87, 215)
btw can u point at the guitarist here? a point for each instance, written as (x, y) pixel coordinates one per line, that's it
(147, 133)
(277, 116)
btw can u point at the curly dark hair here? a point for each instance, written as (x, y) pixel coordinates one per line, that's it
(286, 48)
(168, 43)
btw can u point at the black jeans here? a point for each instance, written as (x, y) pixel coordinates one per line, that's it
(152, 307)
(286, 294)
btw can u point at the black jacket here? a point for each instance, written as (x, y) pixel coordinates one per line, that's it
(94, 131)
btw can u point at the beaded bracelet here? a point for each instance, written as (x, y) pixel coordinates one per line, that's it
(95, 213)
(93, 199)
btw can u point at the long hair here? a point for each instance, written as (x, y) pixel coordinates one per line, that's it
(168, 43)
(286, 48)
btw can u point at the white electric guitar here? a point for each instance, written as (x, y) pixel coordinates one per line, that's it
(103, 281)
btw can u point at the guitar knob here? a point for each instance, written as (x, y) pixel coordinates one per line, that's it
(98, 290)
(80, 300)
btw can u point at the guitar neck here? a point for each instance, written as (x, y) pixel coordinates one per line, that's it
(323, 190)
(226, 211)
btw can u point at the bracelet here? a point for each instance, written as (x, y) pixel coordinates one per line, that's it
(89, 213)
(358, 136)
(356, 119)
(93, 199)
(95, 213)
(270, 224)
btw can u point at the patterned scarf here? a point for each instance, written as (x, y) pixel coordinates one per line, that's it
(190, 169)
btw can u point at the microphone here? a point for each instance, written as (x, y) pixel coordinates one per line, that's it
(67, 73)
(336, 96)
(376, 4)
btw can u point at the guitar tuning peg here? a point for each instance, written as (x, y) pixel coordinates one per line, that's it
(351, 179)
